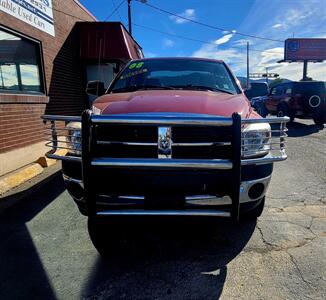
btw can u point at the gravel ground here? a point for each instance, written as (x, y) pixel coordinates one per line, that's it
(45, 251)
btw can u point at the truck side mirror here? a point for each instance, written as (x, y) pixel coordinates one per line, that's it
(95, 88)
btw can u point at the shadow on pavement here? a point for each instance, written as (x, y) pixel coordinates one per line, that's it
(168, 259)
(297, 129)
(22, 275)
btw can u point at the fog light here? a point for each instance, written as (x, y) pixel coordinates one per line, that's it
(256, 190)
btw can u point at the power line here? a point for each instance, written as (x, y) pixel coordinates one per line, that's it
(207, 25)
(112, 13)
(200, 41)
(65, 13)
(114, 6)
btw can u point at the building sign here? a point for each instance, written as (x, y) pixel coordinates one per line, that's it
(305, 49)
(37, 13)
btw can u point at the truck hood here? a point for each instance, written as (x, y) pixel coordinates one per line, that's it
(176, 101)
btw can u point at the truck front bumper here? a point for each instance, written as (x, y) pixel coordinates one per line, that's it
(138, 192)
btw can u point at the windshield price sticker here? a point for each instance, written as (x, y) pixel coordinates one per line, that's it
(136, 65)
(134, 73)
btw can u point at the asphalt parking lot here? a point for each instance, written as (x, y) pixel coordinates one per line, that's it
(45, 251)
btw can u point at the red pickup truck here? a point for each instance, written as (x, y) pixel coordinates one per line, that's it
(169, 137)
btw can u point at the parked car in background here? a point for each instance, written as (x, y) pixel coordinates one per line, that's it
(256, 89)
(298, 99)
(258, 103)
(170, 137)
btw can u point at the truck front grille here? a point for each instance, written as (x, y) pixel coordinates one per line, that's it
(134, 141)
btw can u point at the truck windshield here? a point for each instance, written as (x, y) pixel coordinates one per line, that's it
(175, 74)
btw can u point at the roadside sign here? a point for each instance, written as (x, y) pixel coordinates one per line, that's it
(37, 13)
(300, 49)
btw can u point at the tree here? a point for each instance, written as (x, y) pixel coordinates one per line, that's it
(275, 82)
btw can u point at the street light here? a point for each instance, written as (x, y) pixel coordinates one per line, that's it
(129, 14)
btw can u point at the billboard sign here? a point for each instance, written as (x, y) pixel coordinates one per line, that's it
(37, 13)
(305, 49)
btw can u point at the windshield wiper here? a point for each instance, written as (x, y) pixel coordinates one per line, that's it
(134, 88)
(206, 88)
(158, 87)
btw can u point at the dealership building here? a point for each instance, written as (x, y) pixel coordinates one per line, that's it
(48, 52)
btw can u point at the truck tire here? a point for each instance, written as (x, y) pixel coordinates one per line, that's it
(283, 111)
(253, 213)
(105, 237)
(319, 120)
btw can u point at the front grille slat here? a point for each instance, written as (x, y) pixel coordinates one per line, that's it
(140, 141)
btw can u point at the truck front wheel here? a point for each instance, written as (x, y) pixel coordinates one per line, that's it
(253, 213)
(105, 236)
(319, 119)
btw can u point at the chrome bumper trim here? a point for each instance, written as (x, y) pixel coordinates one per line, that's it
(217, 164)
(70, 179)
(246, 185)
(207, 200)
(204, 200)
(264, 160)
(142, 212)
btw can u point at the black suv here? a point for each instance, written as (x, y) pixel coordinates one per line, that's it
(302, 99)
(256, 89)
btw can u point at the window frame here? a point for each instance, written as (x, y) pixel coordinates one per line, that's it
(40, 61)
(272, 91)
(288, 86)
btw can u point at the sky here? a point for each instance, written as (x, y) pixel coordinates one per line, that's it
(272, 19)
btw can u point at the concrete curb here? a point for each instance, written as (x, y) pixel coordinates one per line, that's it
(22, 175)
(12, 181)
(13, 196)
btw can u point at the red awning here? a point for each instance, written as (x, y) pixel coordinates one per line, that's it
(109, 41)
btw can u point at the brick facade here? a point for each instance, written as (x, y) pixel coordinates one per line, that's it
(20, 123)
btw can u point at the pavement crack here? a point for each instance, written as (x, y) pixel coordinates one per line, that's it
(293, 260)
(268, 244)
(300, 225)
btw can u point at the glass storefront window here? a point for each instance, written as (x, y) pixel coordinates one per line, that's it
(20, 64)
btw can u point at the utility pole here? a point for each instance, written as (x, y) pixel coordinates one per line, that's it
(248, 79)
(129, 17)
(3, 84)
(305, 69)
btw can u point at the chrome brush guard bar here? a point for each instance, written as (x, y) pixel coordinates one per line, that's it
(60, 128)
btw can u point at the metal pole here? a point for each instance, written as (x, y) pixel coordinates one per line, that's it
(248, 79)
(305, 69)
(129, 16)
(267, 75)
(3, 84)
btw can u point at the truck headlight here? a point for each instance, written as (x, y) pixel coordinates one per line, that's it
(74, 138)
(256, 140)
(95, 110)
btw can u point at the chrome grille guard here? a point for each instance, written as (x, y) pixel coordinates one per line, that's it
(62, 128)
(57, 137)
